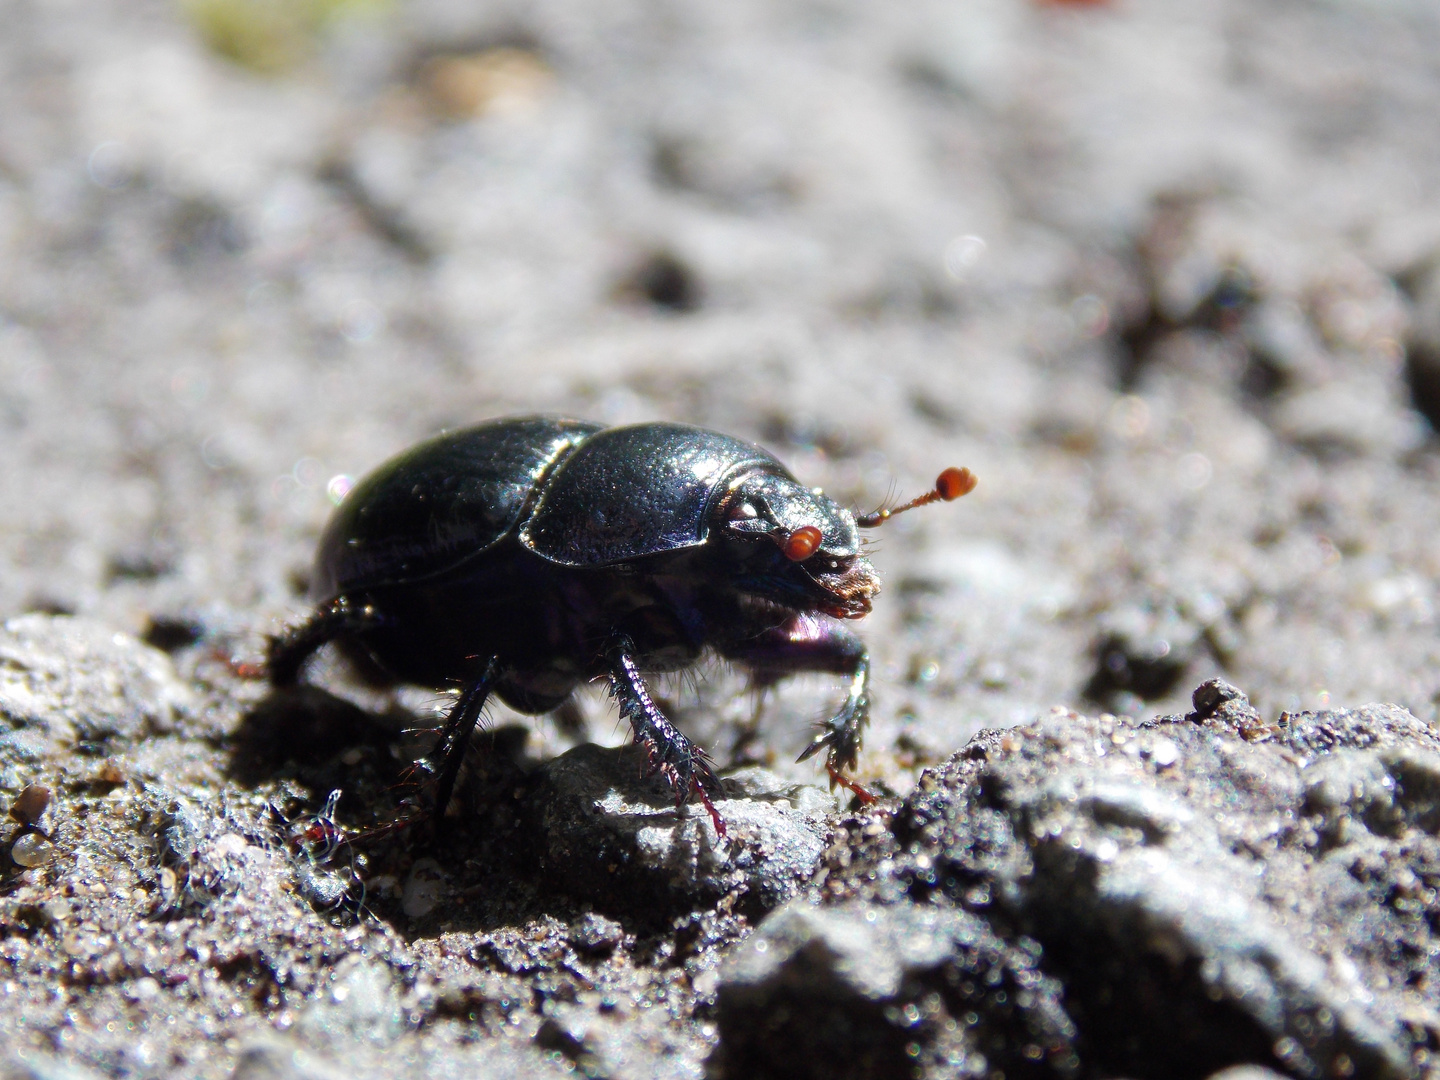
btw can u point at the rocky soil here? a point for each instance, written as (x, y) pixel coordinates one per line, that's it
(1167, 281)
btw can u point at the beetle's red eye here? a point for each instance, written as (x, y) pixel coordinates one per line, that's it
(802, 543)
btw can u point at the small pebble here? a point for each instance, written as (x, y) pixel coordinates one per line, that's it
(108, 773)
(32, 849)
(30, 804)
(424, 889)
(1164, 753)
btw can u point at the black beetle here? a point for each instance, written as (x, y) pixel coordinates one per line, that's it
(524, 556)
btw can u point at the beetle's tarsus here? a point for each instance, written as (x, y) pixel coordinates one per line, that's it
(668, 751)
(843, 734)
(865, 796)
(715, 817)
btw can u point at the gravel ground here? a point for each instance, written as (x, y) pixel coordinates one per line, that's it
(1167, 281)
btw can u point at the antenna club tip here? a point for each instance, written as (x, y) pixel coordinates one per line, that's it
(953, 483)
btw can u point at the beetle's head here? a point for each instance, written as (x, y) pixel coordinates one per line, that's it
(794, 546)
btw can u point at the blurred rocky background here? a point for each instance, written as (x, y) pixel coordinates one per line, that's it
(1165, 277)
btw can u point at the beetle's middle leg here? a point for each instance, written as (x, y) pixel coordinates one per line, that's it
(671, 753)
(807, 644)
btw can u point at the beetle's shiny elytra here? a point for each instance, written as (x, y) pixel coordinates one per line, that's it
(524, 556)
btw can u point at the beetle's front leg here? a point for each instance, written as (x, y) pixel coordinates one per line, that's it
(805, 643)
(671, 753)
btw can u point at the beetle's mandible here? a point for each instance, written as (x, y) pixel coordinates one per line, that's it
(522, 557)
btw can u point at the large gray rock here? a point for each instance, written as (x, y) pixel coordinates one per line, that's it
(1212, 890)
(867, 991)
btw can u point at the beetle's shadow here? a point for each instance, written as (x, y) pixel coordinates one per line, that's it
(307, 743)
(310, 743)
(307, 734)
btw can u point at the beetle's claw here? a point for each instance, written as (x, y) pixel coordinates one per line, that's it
(841, 735)
(865, 796)
(820, 742)
(694, 775)
(843, 742)
(715, 818)
(688, 770)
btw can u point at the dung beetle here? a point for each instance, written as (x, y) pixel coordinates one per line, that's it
(523, 556)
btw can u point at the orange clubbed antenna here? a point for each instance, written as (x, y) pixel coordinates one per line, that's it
(950, 484)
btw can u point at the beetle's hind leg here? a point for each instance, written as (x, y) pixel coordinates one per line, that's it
(287, 652)
(449, 752)
(671, 753)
